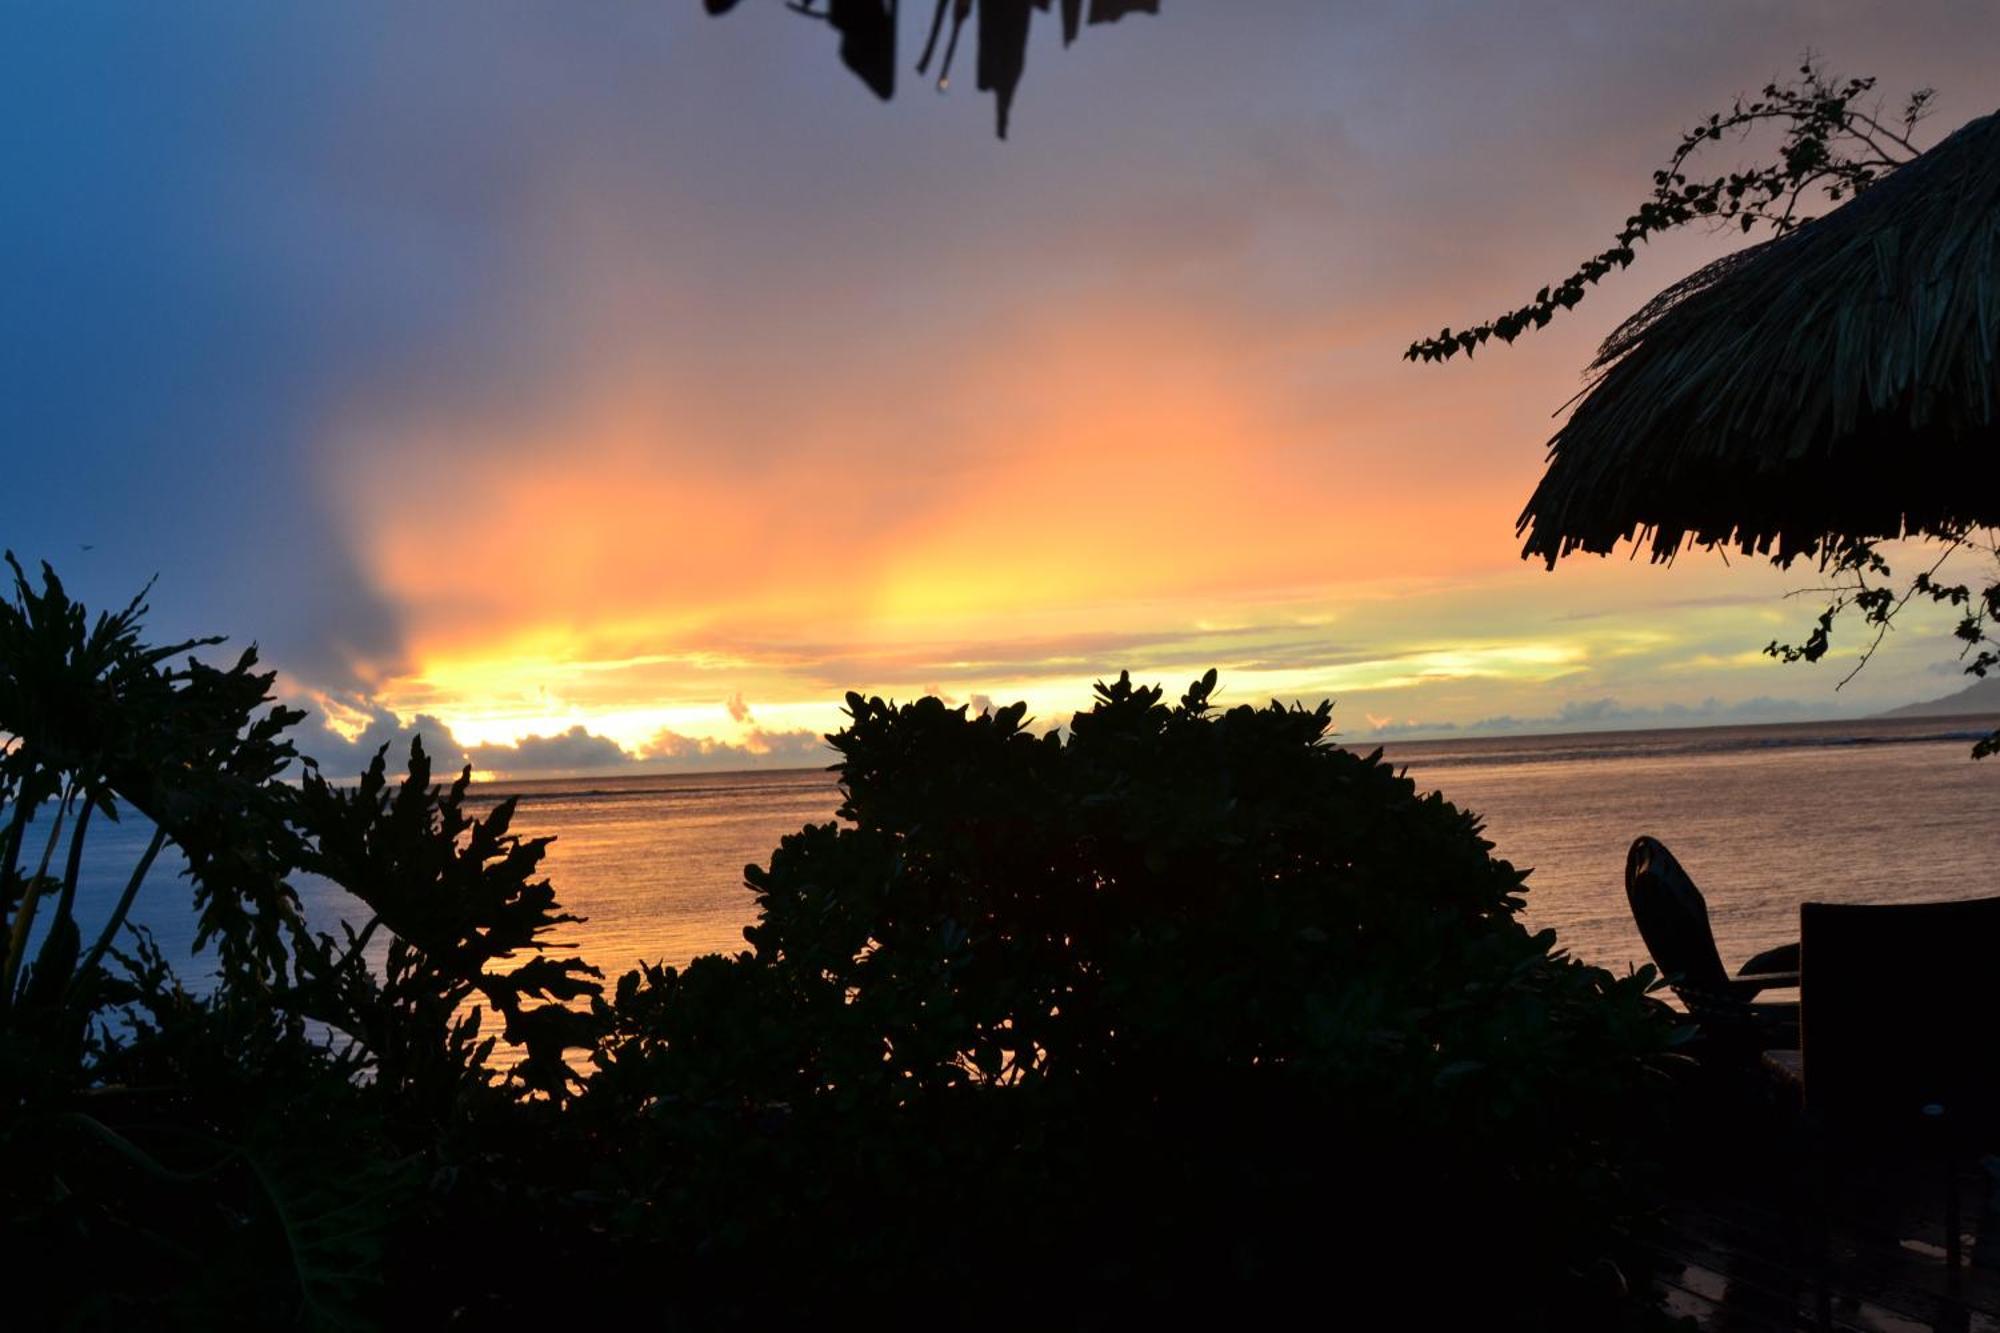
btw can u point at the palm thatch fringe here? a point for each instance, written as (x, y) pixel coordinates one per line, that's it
(1837, 383)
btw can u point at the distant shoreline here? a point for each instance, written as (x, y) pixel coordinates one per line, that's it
(1975, 719)
(1685, 744)
(1706, 738)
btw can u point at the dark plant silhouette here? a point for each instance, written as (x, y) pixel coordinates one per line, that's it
(94, 718)
(147, 1134)
(456, 896)
(1180, 1014)
(869, 28)
(1860, 580)
(1191, 1006)
(210, 1152)
(1835, 141)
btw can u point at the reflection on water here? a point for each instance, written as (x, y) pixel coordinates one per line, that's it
(656, 864)
(1762, 817)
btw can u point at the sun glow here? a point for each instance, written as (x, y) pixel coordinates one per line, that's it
(1082, 488)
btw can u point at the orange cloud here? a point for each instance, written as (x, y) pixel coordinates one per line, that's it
(1087, 479)
(1091, 468)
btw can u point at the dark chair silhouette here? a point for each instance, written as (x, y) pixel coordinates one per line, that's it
(1899, 1015)
(1672, 917)
(1899, 1012)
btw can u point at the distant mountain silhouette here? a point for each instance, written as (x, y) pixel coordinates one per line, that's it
(1982, 697)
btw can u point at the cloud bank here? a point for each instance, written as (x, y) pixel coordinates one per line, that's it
(575, 751)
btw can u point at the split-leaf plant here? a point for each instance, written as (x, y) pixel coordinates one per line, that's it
(243, 1149)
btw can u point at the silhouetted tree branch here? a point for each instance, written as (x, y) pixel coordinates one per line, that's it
(1835, 142)
(868, 32)
(1862, 581)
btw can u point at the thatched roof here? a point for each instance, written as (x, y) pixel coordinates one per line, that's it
(1838, 382)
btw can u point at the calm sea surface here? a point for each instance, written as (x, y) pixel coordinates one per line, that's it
(1762, 817)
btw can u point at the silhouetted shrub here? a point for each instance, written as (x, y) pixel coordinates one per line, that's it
(1190, 1011)
(1190, 1007)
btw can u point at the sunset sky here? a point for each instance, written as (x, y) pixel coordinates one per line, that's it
(610, 384)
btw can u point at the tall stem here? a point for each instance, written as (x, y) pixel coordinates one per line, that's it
(17, 832)
(110, 931)
(73, 868)
(24, 917)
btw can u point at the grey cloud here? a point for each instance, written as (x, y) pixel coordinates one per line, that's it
(1953, 668)
(342, 760)
(572, 751)
(1408, 729)
(760, 749)
(577, 750)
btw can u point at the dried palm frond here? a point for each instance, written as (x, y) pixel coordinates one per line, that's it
(1833, 385)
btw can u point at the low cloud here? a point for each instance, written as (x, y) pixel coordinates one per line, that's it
(572, 751)
(343, 758)
(575, 751)
(738, 710)
(759, 749)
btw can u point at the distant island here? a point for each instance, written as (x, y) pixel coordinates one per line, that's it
(1981, 698)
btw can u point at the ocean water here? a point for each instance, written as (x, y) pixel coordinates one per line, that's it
(1762, 818)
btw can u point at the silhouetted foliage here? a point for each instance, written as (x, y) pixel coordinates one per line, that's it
(212, 1156)
(868, 37)
(1190, 1007)
(96, 718)
(1861, 581)
(193, 1154)
(456, 895)
(1189, 1012)
(217, 1169)
(1834, 141)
